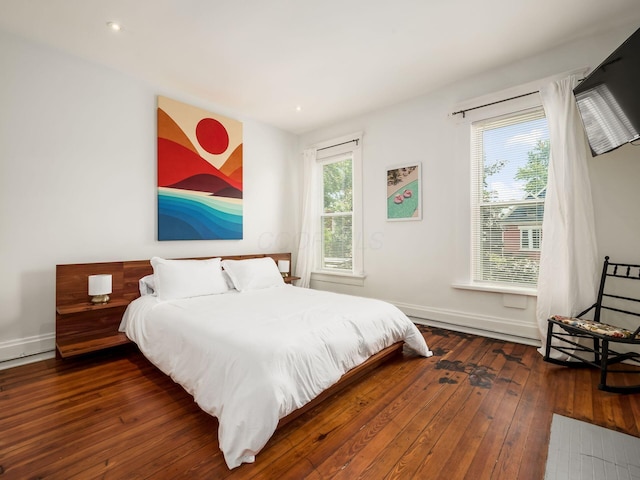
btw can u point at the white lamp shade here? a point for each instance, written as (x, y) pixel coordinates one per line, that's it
(283, 266)
(99, 284)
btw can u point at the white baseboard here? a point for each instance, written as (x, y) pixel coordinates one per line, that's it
(493, 327)
(27, 350)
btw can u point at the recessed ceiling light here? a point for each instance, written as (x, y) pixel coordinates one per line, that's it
(298, 108)
(115, 26)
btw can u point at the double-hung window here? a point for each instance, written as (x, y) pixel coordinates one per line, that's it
(340, 218)
(336, 217)
(510, 157)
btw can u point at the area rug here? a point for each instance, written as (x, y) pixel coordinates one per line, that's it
(580, 450)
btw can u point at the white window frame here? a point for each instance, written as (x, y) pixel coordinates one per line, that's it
(324, 215)
(334, 150)
(477, 169)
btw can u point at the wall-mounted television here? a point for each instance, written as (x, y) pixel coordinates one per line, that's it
(609, 99)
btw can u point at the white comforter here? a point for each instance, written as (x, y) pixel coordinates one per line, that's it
(252, 358)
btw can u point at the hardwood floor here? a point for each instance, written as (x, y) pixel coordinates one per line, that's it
(479, 409)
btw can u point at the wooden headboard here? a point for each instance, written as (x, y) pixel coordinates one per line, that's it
(71, 279)
(82, 327)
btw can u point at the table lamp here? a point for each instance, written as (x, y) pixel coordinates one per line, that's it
(99, 288)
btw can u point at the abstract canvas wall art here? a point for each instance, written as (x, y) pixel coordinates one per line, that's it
(404, 195)
(199, 174)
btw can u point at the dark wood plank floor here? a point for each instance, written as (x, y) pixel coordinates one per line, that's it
(479, 409)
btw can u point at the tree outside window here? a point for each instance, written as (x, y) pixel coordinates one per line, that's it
(337, 214)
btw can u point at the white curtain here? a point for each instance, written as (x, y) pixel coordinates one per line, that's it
(306, 246)
(569, 266)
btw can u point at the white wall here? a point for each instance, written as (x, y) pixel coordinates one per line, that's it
(414, 264)
(78, 177)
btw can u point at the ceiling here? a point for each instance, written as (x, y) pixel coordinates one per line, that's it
(332, 58)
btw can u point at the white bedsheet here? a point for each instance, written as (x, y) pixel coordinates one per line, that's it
(252, 358)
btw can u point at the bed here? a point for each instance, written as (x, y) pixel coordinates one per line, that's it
(252, 350)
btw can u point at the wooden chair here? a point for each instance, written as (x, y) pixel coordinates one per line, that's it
(588, 342)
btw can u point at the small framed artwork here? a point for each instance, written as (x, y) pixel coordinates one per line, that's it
(404, 193)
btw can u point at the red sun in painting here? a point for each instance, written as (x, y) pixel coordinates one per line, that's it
(212, 136)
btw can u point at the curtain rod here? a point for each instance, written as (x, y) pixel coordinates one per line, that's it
(338, 144)
(463, 112)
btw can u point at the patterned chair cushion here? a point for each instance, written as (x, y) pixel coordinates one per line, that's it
(596, 327)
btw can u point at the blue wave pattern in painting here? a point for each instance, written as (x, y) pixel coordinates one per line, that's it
(188, 215)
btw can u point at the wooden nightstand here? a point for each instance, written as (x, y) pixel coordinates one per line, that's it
(84, 327)
(290, 279)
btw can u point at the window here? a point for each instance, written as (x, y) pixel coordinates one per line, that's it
(530, 238)
(337, 213)
(340, 218)
(510, 159)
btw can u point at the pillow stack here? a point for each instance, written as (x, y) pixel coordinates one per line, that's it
(175, 279)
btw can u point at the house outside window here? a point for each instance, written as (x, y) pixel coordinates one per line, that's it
(510, 155)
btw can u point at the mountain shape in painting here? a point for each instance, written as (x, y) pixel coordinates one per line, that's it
(178, 165)
(204, 182)
(232, 168)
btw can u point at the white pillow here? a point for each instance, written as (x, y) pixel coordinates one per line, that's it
(147, 285)
(253, 273)
(187, 278)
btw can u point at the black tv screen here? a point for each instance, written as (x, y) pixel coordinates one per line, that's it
(609, 99)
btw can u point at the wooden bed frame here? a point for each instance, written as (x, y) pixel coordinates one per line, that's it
(347, 379)
(82, 327)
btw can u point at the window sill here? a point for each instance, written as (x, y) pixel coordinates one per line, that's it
(343, 278)
(488, 287)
